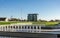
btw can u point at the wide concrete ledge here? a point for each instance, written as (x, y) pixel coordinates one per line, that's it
(28, 35)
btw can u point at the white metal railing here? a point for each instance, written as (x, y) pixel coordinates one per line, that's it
(6, 28)
(36, 30)
(20, 30)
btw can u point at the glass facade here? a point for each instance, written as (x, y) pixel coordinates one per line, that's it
(32, 17)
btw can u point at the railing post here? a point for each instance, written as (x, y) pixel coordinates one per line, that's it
(40, 28)
(18, 27)
(30, 29)
(26, 28)
(36, 28)
(7, 28)
(33, 29)
(0, 28)
(21, 28)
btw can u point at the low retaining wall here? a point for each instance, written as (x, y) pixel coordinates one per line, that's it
(28, 35)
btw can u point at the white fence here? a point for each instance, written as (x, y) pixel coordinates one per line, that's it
(26, 28)
(21, 28)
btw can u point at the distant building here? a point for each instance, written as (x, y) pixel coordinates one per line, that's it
(32, 17)
(2, 18)
(7, 19)
(14, 19)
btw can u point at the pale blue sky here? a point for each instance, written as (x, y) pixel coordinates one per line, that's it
(47, 9)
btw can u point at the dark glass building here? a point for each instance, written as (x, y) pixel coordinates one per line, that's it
(32, 17)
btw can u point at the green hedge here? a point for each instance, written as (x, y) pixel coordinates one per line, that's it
(3, 23)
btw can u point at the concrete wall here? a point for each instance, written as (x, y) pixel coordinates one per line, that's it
(27, 35)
